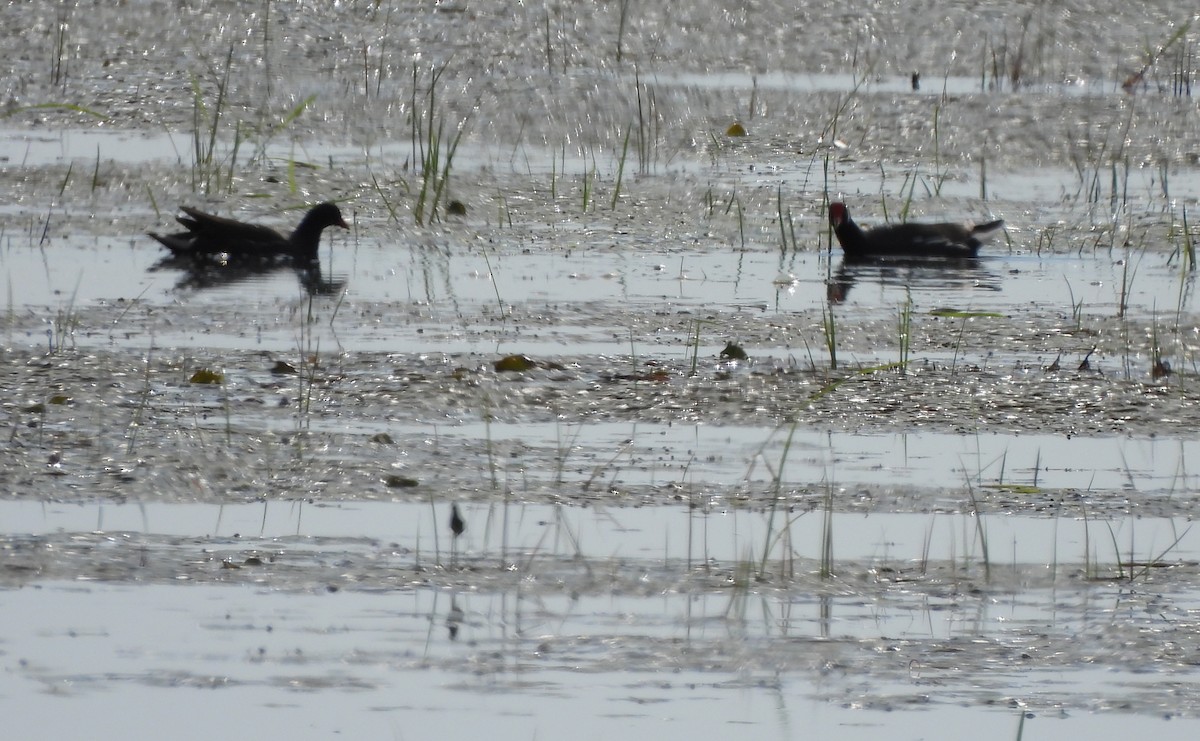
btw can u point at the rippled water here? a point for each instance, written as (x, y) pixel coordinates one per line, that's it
(657, 537)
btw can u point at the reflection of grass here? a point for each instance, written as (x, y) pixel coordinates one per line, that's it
(827, 533)
(977, 515)
(139, 412)
(66, 322)
(694, 342)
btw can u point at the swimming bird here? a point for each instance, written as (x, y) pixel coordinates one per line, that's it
(210, 237)
(908, 240)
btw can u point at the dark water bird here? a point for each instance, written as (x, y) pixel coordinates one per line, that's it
(954, 241)
(457, 526)
(216, 238)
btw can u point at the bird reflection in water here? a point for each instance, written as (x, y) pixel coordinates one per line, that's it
(454, 618)
(971, 273)
(200, 273)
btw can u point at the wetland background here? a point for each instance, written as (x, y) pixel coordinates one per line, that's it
(950, 495)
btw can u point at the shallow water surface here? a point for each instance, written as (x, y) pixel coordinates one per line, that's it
(738, 485)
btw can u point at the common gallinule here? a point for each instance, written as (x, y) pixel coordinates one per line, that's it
(908, 240)
(209, 236)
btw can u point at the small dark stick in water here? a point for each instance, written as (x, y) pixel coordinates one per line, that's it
(457, 526)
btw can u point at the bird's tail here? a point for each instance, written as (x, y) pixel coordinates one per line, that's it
(983, 231)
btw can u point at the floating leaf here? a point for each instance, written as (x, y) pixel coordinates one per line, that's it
(207, 376)
(60, 399)
(735, 129)
(400, 482)
(514, 363)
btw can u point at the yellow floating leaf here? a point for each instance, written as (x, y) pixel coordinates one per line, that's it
(513, 363)
(205, 375)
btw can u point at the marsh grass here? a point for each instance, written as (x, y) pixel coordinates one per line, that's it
(621, 169)
(589, 176)
(904, 331)
(1180, 78)
(1185, 248)
(787, 227)
(384, 198)
(1011, 62)
(939, 175)
(649, 128)
(96, 171)
(206, 125)
(1076, 307)
(59, 45)
(437, 550)
(1127, 276)
(622, 24)
(432, 148)
(829, 328)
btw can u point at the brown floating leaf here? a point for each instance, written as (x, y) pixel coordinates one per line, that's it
(513, 363)
(205, 375)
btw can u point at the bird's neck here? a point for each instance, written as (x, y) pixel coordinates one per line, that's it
(851, 237)
(306, 240)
